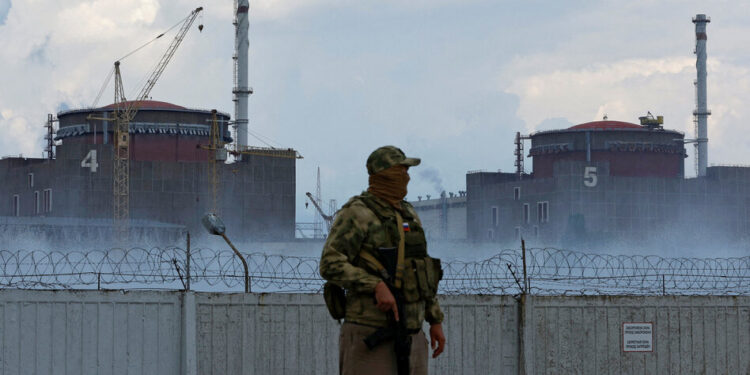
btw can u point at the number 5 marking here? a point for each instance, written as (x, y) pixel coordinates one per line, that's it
(90, 161)
(589, 176)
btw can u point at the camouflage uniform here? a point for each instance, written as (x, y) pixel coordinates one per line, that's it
(367, 223)
(358, 227)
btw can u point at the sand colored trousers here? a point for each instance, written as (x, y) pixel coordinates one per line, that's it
(356, 359)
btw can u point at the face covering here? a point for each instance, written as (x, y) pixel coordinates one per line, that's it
(390, 184)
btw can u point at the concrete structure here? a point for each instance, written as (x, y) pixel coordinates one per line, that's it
(701, 112)
(443, 218)
(242, 89)
(56, 232)
(148, 332)
(608, 182)
(168, 175)
(584, 335)
(630, 150)
(612, 182)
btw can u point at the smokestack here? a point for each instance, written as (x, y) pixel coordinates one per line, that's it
(701, 112)
(241, 90)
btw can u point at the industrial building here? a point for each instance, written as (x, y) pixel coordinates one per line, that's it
(603, 182)
(443, 218)
(614, 182)
(141, 168)
(169, 175)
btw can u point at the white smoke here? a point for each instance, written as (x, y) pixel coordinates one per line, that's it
(433, 176)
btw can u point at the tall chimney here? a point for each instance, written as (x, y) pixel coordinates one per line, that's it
(701, 112)
(241, 90)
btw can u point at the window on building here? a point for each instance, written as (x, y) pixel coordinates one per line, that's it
(494, 216)
(542, 214)
(31, 180)
(518, 233)
(536, 231)
(490, 234)
(37, 203)
(16, 206)
(517, 193)
(47, 200)
(526, 213)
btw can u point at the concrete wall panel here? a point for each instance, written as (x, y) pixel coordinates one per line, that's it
(62, 332)
(293, 334)
(692, 335)
(146, 332)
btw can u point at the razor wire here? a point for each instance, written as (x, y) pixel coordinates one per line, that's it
(548, 271)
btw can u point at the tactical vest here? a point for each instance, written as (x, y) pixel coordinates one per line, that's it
(421, 273)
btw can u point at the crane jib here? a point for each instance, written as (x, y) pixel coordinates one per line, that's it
(121, 169)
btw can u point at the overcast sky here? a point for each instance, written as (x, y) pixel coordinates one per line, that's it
(449, 81)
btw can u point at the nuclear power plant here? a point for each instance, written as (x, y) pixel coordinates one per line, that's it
(606, 182)
(151, 169)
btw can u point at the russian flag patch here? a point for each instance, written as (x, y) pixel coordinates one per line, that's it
(406, 227)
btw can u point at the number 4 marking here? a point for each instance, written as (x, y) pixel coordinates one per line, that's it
(90, 161)
(589, 176)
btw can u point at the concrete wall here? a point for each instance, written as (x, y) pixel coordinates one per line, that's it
(148, 332)
(94, 332)
(614, 210)
(691, 335)
(64, 332)
(452, 226)
(256, 196)
(293, 334)
(628, 151)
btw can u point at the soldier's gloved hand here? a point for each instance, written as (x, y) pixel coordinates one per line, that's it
(385, 300)
(437, 337)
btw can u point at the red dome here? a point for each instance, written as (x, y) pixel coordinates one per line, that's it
(151, 104)
(607, 125)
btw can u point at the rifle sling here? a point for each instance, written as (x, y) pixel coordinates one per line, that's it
(374, 264)
(400, 266)
(378, 267)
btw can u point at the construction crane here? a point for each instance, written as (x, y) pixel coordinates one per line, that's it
(124, 112)
(328, 218)
(287, 153)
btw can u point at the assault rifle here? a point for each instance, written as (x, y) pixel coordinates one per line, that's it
(396, 330)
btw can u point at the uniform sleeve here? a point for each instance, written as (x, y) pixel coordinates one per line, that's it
(432, 313)
(343, 245)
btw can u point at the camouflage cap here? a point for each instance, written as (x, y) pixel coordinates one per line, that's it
(386, 157)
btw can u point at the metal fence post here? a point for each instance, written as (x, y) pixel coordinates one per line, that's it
(187, 263)
(525, 277)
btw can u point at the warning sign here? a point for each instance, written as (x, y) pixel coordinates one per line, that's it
(638, 337)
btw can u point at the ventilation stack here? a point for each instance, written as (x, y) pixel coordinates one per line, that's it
(241, 90)
(701, 112)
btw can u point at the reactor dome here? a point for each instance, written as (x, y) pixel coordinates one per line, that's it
(630, 149)
(160, 131)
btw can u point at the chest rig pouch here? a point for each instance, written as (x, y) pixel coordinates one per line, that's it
(421, 273)
(335, 298)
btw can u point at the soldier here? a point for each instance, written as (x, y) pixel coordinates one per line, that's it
(377, 252)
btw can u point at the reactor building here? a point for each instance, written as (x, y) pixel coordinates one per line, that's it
(608, 181)
(611, 181)
(170, 183)
(175, 170)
